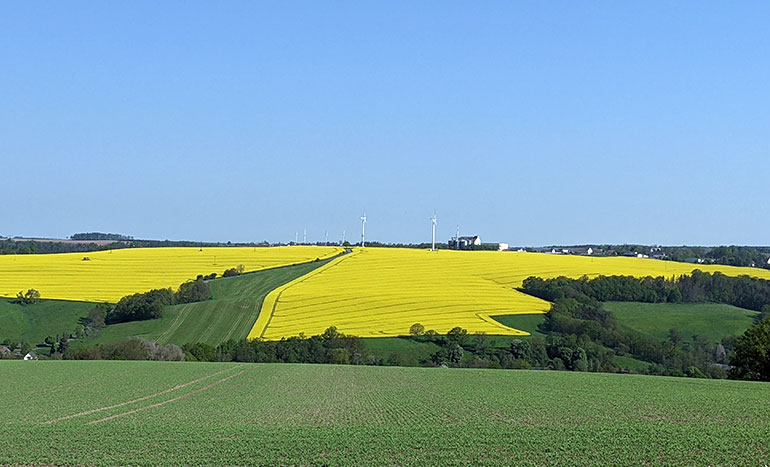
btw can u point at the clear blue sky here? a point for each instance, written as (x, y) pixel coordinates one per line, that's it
(527, 122)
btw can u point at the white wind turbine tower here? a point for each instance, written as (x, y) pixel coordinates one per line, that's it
(304, 237)
(363, 230)
(433, 236)
(343, 238)
(457, 238)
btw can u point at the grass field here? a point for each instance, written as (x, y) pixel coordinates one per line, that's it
(407, 351)
(529, 323)
(230, 314)
(381, 292)
(711, 320)
(33, 323)
(109, 275)
(199, 413)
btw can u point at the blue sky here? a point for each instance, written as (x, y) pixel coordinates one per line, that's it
(527, 122)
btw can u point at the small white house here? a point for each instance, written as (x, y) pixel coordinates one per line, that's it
(30, 356)
(503, 247)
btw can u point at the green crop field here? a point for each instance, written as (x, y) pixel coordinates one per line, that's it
(711, 320)
(230, 313)
(33, 323)
(227, 413)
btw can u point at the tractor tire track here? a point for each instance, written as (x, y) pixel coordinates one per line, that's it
(178, 398)
(140, 399)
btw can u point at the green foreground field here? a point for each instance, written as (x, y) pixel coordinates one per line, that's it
(192, 413)
(230, 313)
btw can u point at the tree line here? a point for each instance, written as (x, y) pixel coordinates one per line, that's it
(101, 236)
(30, 247)
(151, 304)
(743, 291)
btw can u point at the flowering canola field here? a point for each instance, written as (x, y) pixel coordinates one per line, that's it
(110, 275)
(381, 292)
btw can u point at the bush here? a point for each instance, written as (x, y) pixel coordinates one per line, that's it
(29, 297)
(193, 291)
(97, 315)
(201, 351)
(237, 271)
(339, 356)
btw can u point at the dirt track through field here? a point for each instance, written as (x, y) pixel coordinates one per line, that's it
(140, 399)
(178, 398)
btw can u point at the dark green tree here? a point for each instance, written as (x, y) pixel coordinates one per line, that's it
(417, 329)
(674, 336)
(458, 336)
(751, 359)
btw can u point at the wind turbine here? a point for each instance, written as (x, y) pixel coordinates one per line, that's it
(457, 238)
(304, 237)
(326, 237)
(296, 237)
(363, 230)
(343, 238)
(433, 237)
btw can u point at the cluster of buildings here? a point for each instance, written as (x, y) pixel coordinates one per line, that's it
(6, 352)
(474, 242)
(654, 252)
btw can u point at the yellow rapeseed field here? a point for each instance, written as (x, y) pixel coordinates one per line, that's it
(383, 291)
(110, 275)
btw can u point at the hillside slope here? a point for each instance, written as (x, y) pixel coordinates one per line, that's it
(230, 314)
(381, 292)
(33, 323)
(711, 320)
